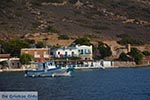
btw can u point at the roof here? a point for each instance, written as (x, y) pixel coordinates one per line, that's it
(35, 49)
(4, 55)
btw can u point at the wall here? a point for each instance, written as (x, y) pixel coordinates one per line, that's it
(40, 52)
(123, 63)
(62, 52)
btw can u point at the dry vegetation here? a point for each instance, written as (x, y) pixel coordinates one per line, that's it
(102, 18)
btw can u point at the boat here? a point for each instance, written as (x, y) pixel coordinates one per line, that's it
(49, 69)
(1, 70)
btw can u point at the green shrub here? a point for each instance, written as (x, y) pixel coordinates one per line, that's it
(73, 1)
(63, 37)
(35, 24)
(137, 55)
(126, 39)
(82, 21)
(39, 44)
(123, 36)
(83, 41)
(54, 1)
(146, 53)
(74, 58)
(19, 14)
(36, 3)
(104, 50)
(131, 41)
(25, 58)
(100, 27)
(123, 57)
(101, 1)
(52, 29)
(14, 46)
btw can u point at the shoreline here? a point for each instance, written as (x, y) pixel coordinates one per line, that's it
(131, 66)
(12, 70)
(80, 68)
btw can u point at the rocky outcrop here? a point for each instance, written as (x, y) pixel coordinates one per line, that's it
(38, 16)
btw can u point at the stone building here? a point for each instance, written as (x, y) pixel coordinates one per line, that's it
(37, 53)
(116, 51)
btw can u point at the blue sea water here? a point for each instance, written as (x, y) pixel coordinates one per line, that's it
(97, 84)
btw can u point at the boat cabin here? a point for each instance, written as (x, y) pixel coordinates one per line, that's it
(46, 65)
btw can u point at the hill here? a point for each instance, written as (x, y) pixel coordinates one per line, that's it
(104, 19)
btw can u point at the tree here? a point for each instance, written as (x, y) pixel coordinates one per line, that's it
(14, 46)
(123, 57)
(39, 44)
(83, 41)
(63, 37)
(146, 53)
(25, 58)
(136, 55)
(104, 50)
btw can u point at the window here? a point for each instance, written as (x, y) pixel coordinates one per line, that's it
(66, 53)
(85, 51)
(13, 64)
(72, 53)
(89, 51)
(44, 52)
(18, 65)
(51, 53)
(26, 52)
(81, 51)
(35, 53)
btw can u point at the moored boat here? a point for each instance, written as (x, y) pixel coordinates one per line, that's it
(46, 69)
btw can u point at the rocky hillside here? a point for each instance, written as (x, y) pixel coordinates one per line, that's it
(104, 19)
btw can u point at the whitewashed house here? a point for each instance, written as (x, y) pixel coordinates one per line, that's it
(66, 52)
(83, 51)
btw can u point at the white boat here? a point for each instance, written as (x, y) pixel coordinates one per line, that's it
(46, 69)
(1, 70)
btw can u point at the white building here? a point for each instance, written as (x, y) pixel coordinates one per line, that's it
(66, 52)
(83, 51)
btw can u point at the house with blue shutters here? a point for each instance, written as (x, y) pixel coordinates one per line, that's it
(82, 51)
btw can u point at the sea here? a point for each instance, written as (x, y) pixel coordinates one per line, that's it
(89, 84)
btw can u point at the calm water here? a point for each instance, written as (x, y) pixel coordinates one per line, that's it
(109, 84)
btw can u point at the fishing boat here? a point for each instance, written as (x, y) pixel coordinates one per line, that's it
(46, 69)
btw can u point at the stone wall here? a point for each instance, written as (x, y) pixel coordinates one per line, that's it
(123, 63)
